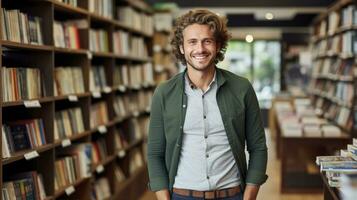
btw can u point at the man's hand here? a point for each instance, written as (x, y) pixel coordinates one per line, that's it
(251, 192)
(163, 195)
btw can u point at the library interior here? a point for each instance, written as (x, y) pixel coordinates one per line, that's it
(78, 77)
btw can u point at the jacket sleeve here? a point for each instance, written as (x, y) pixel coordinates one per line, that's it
(256, 142)
(158, 176)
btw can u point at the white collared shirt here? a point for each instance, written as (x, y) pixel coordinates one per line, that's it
(206, 160)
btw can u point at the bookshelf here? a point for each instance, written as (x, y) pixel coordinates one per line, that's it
(75, 96)
(332, 96)
(334, 67)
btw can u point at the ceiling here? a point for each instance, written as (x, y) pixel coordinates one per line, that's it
(251, 13)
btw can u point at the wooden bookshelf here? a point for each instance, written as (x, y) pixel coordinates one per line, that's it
(49, 57)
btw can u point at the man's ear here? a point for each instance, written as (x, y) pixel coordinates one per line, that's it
(181, 49)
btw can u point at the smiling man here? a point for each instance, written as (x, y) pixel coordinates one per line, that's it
(201, 120)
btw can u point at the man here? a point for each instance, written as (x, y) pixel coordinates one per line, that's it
(201, 120)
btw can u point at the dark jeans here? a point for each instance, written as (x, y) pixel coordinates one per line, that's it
(180, 197)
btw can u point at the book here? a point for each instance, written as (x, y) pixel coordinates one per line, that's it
(320, 159)
(68, 122)
(98, 40)
(102, 8)
(135, 19)
(97, 78)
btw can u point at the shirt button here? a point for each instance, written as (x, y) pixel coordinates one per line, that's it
(203, 96)
(180, 127)
(207, 155)
(206, 136)
(207, 177)
(204, 117)
(184, 106)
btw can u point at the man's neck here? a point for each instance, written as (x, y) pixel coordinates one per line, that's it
(201, 79)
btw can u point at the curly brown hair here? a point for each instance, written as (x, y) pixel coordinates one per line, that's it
(203, 17)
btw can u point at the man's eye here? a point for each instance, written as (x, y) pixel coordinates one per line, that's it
(208, 41)
(192, 42)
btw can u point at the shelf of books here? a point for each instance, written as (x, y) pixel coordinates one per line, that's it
(77, 79)
(164, 64)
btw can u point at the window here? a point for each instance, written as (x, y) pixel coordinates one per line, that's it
(259, 62)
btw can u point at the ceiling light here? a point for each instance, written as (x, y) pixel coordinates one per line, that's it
(249, 38)
(269, 16)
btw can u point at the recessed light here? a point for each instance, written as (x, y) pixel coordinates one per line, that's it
(249, 38)
(269, 16)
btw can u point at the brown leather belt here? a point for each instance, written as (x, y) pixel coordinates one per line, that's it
(229, 192)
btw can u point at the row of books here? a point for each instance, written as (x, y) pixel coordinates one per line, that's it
(336, 19)
(303, 122)
(70, 2)
(334, 68)
(138, 47)
(98, 40)
(98, 114)
(330, 110)
(101, 189)
(121, 43)
(21, 83)
(163, 21)
(133, 75)
(136, 102)
(72, 163)
(343, 43)
(25, 185)
(120, 139)
(97, 78)
(100, 7)
(99, 151)
(337, 91)
(68, 80)
(349, 16)
(21, 27)
(129, 45)
(335, 167)
(137, 20)
(66, 34)
(349, 42)
(161, 41)
(136, 161)
(68, 123)
(22, 135)
(340, 92)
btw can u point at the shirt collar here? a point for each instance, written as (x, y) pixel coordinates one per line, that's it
(193, 86)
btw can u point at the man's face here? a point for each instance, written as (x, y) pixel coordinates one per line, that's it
(199, 47)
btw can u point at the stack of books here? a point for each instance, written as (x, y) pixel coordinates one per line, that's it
(336, 166)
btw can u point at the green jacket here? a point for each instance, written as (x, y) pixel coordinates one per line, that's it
(241, 117)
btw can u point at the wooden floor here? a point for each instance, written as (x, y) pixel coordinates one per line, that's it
(270, 190)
